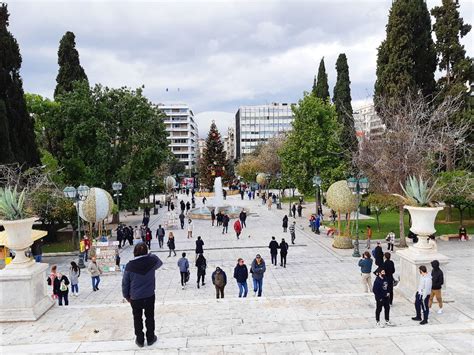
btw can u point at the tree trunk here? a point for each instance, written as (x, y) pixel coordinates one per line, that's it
(461, 215)
(448, 213)
(403, 242)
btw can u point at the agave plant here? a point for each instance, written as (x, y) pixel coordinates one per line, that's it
(418, 193)
(12, 203)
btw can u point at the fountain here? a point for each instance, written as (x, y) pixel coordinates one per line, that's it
(217, 203)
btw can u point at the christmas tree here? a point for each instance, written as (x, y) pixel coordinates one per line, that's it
(213, 162)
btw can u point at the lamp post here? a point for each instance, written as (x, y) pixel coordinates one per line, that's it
(153, 188)
(79, 194)
(117, 187)
(358, 186)
(317, 184)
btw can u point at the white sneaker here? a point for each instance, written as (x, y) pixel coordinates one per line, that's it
(254, 294)
(389, 324)
(182, 287)
(379, 325)
(440, 311)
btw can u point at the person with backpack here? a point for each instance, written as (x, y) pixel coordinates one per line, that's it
(160, 234)
(241, 274)
(237, 228)
(61, 286)
(274, 250)
(171, 244)
(74, 273)
(437, 280)
(257, 270)
(285, 223)
(283, 252)
(201, 265)
(219, 279)
(183, 265)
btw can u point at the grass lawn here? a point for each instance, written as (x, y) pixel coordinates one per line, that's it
(389, 221)
(61, 246)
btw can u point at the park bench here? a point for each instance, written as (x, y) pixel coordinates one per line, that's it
(448, 237)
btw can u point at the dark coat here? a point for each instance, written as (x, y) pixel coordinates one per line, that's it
(57, 284)
(378, 255)
(241, 273)
(437, 277)
(201, 265)
(199, 245)
(138, 279)
(285, 222)
(273, 247)
(389, 268)
(171, 243)
(219, 278)
(225, 221)
(257, 270)
(243, 216)
(283, 248)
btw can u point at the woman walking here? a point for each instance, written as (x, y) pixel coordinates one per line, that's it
(170, 244)
(74, 273)
(365, 265)
(190, 228)
(201, 266)
(183, 265)
(61, 287)
(285, 223)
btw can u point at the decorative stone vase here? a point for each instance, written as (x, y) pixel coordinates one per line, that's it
(423, 224)
(342, 242)
(19, 240)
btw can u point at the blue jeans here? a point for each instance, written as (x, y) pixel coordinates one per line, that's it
(258, 286)
(95, 282)
(243, 288)
(422, 305)
(75, 288)
(38, 258)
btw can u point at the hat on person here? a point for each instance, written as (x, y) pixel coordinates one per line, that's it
(258, 256)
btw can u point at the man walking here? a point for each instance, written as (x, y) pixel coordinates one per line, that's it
(382, 297)
(160, 234)
(138, 288)
(283, 252)
(199, 247)
(437, 279)
(241, 274)
(292, 232)
(389, 268)
(422, 296)
(181, 219)
(183, 265)
(225, 223)
(378, 255)
(257, 270)
(243, 218)
(95, 271)
(391, 240)
(369, 236)
(273, 250)
(219, 279)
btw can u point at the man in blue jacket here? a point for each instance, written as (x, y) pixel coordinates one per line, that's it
(138, 288)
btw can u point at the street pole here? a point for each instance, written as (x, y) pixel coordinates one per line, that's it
(356, 252)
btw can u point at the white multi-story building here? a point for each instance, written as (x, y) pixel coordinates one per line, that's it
(229, 143)
(256, 124)
(366, 122)
(182, 132)
(201, 147)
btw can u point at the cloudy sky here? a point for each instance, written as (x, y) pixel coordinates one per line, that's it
(214, 55)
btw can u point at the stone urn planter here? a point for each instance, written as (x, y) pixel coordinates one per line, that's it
(19, 240)
(423, 224)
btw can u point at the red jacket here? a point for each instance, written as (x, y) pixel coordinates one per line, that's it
(237, 226)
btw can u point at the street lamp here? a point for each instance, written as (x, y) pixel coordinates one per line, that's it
(317, 181)
(117, 187)
(79, 194)
(358, 186)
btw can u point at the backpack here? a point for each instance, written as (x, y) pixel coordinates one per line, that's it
(63, 286)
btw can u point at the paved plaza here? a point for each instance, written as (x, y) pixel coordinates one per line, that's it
(313, 305)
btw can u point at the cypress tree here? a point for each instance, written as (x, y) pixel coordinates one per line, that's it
(406, 59)
(70, 69)
(20, 146)
(342, 100)
(449, 28)
(320, 85)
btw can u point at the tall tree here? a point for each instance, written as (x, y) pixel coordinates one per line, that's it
(70, 69)
(213, 163)
(342, 100)
(15, 121)
(313, 145)
(320, 85)
(406, 59)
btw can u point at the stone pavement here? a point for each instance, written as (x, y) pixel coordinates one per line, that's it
(314, 305)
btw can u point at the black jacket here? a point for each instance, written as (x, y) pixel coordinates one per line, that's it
(171, 243)
(243, 216)
(57, 284)
(138, 279)
(389, 268)
(225, 221)
(283, 248)
(378, 255)
(437, 277)
(380, 288)
(199, 245)
(241, 273)
(285, 222)
(201, 265)
(273, 247)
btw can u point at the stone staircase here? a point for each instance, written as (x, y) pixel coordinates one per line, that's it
(334, 323)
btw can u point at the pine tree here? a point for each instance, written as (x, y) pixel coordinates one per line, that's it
(20, 146)
(406, 59)
(70, 69)
(320, 85)
(449, 28)
(214, 162)
(342, 100)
